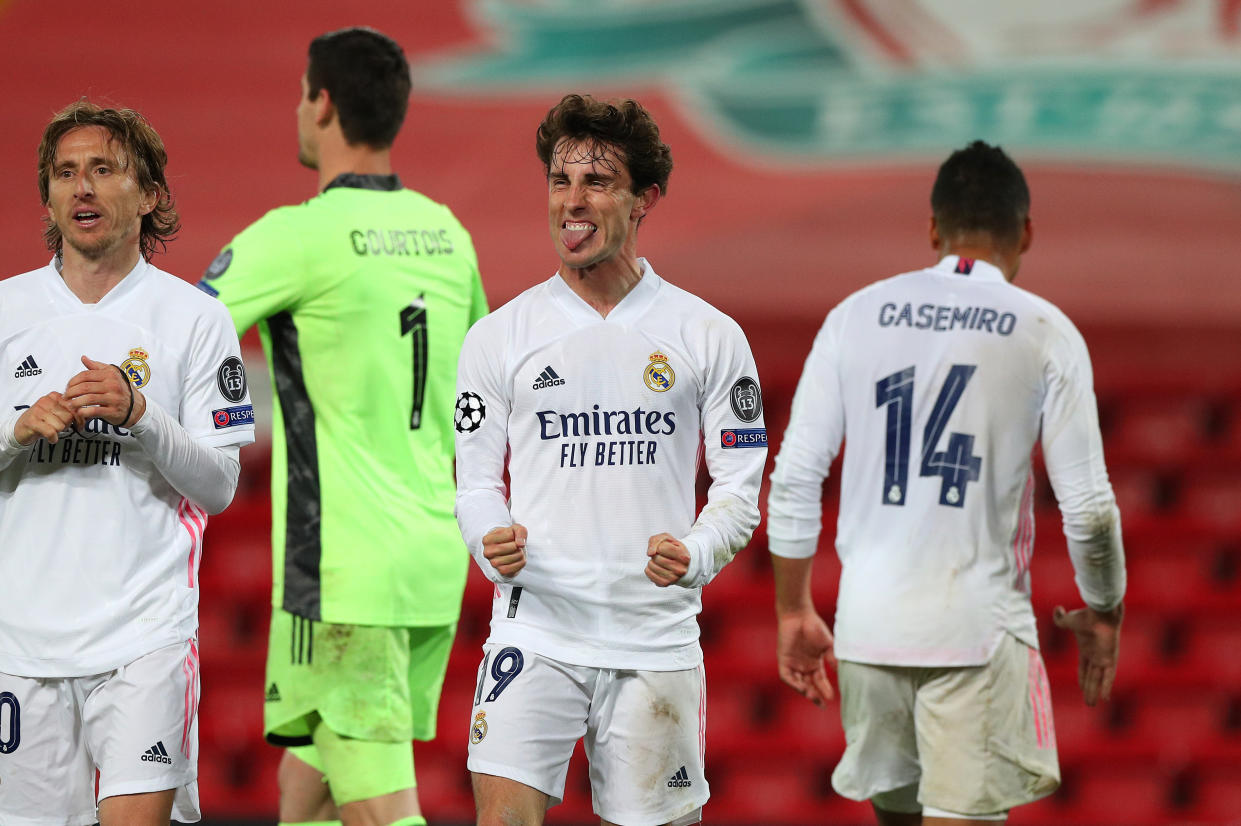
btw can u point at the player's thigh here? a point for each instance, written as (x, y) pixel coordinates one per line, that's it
(304, 793)
(361, 770)
(646, 744)
(986, 736)
(881, 752)
(141, 724)
(500, 801)
(529, 712)
(46, 771)
(145, 809)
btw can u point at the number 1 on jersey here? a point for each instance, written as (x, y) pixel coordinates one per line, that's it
(957, 465)
(414, 324)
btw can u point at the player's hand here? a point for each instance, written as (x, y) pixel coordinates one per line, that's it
(669, 559)
(803, 646)
(47, 419)
(102, 391)
(1098, 648)
(505, 549)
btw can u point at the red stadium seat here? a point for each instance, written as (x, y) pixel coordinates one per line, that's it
(1157, 429)
(1119, 791)
(1216, 793)
(1212, 498)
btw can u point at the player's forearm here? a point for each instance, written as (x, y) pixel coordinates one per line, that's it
(793, 578)
(478, 512)
(1098, 556)
(722, 529)
(10, 448)
(203, 474)
(794, 515)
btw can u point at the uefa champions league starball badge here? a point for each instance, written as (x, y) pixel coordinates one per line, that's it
(659, 375)
(470, 412)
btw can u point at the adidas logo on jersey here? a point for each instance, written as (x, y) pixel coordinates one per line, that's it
(547, 378)
(157, 754)
(273, 694)
(680, 780)
(27, 368)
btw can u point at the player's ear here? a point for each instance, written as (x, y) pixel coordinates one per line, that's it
(149, 200)
(325, 109)
(1027, 236)
(933, 233)
(643, 202)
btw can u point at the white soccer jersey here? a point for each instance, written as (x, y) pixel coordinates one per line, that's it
(940, 380)
(602, 421)
(100, 554)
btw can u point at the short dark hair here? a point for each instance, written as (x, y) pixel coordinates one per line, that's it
(367, 76)
(622, 125)
(144, 156)
(980, 190)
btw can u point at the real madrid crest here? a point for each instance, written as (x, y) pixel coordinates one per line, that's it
(479, 730)
(136, 368)
(659, 375)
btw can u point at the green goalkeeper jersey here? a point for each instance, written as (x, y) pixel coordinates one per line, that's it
(362, 296)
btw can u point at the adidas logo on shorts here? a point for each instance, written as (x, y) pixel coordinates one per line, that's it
(157, 754)
(680, 780)
(273, 694)
(547, 378)
(27, 368)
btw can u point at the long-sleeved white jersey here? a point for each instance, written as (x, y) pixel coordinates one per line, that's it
(99, 553)
(940, 380)
(601, 422)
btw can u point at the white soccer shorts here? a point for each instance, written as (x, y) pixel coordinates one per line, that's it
(644, 733)
(974, 740)
(137, 724)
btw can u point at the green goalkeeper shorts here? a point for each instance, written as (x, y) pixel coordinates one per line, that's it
(364, 681)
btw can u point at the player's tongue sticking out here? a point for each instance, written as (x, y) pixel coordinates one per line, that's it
(573, 233)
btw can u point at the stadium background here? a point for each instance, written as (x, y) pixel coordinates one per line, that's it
(805, 134)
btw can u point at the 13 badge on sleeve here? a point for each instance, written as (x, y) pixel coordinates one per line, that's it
(746, 400)
(231, 379)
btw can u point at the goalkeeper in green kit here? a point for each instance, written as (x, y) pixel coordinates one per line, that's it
(362, 295)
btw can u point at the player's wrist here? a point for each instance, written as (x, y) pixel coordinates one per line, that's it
(797, 611)
(1112, 616)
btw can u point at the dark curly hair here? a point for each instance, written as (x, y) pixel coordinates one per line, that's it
(980, 190)
(622, 125)
(367, 76)
(144, 154)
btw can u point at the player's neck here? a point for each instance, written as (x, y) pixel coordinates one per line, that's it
(338, 158)
(90, 279)
(604, 285)
(1005, 261)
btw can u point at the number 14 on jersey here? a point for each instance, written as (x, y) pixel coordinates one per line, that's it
(956, 464)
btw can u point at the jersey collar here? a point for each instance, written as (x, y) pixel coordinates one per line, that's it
(973, 268)
(60, 290)
(352, 180)
(631, 307)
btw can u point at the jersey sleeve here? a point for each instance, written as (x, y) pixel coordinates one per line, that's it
(1073, 453)
(481, 421)
(811, 441)
(735, 448)
(215, 406)
(258, 274)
